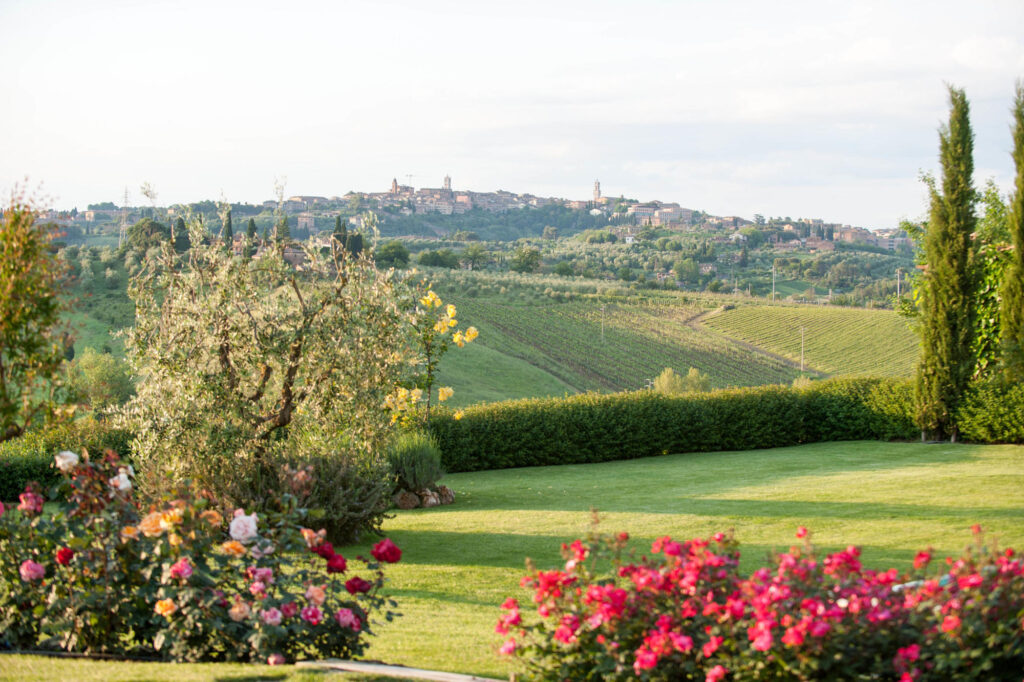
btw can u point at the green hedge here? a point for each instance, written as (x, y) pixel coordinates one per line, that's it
(993, 412)
(599, 428)
(30, 457)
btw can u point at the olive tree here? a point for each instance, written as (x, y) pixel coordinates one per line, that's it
(250, 369)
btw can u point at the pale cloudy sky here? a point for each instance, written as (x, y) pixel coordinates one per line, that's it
(808, 109)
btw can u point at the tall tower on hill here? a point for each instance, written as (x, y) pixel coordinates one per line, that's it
(597, 190)
(448, 183)
(394, 185)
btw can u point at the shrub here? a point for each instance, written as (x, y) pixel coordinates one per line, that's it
(30, 457)
(993, 412)
(103, 575)
(686, 612)
(100, 380)
(415, 461)
(598, 428)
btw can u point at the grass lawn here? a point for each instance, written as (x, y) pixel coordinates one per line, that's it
(460, 562)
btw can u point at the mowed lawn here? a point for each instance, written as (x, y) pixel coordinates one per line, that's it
(460, 562)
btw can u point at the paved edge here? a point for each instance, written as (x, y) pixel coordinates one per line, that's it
(392, 670)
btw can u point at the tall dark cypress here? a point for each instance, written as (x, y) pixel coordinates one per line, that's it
(283, 233)
(947, 311)
(181, 240)
(250, 238)
(228, 234)
(1011, 311)
(340, 231)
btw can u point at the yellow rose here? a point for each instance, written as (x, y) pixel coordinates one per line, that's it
(170, 519)
(440, 326)
(458, 415)
(450, 310)
(452, 322)
(458, 339)
(471, 333)
(415, 394)
(444, 393)
(150, 524)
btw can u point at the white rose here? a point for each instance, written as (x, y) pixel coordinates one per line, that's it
(243, 528)
(121, 482)
(66, 460)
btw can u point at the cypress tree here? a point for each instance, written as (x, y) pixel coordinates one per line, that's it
(228, 234)
(282, 232)
(181, 240)
(354, 243)
(340, 231)
(1012, 308)
(250, 238)
(947, 312)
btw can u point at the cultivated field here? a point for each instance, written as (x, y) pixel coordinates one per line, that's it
(836, 340)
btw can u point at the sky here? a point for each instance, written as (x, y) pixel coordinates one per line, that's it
(804, 109)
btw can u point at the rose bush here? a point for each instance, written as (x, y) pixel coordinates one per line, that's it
(684, 612)
(176, 580)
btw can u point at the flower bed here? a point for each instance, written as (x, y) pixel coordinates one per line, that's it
(684, 612)
(175, 580)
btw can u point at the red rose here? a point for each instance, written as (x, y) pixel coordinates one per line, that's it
(64, 555)
(289, 609)
(336, 564)
(358, 585)
(324, 549)
(386, 551)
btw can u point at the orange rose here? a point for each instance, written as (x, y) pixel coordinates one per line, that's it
(129, 533)
(165, 607)
(170, 519)
(212, 517)
(150, 525)
(234, 548)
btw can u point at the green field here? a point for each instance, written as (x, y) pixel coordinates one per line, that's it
(565, 341)
(836, 340)
(460, 562)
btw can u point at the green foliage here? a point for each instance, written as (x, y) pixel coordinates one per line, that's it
(282, 232)
(99, 380)
(597, 428)
(525, 259)
(1012, 310)
(670, 383)
(246, 366)
(441, 258)
(415, 461)
(30, 457)
(947, 310)
(392, 254)
(31, 304)
(993, 412)
(146, 234)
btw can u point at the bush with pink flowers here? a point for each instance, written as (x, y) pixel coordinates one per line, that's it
(685, 612)
(177, 580)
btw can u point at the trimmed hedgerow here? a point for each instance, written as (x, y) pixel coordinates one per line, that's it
(598, 428)
(993, 412)
(30, 457)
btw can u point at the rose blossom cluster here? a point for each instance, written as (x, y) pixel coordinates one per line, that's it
(686, 612)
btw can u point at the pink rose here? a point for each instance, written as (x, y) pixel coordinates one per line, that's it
(386, 551)
(508, 648)
(801, 532)
(181, 569)
(1, 509)
(243, 528)
(271, 616)
(30, 571)
(30, 503)
(316, 594)
(347, 619)
(716, 674)
(289, 610)
(312, 615)
(275, 659)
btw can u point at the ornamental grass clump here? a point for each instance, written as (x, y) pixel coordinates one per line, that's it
(684, 612)
(176, 580)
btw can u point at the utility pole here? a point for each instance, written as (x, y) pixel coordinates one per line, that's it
(773, 282)
(801, 350)
(123, 232)
(898, 274)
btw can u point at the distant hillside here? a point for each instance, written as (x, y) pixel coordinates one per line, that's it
(836, 340)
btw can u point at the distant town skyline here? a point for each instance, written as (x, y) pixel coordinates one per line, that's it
(807, 109)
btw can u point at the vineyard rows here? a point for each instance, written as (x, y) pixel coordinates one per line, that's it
(836, 340)
(639, 341)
